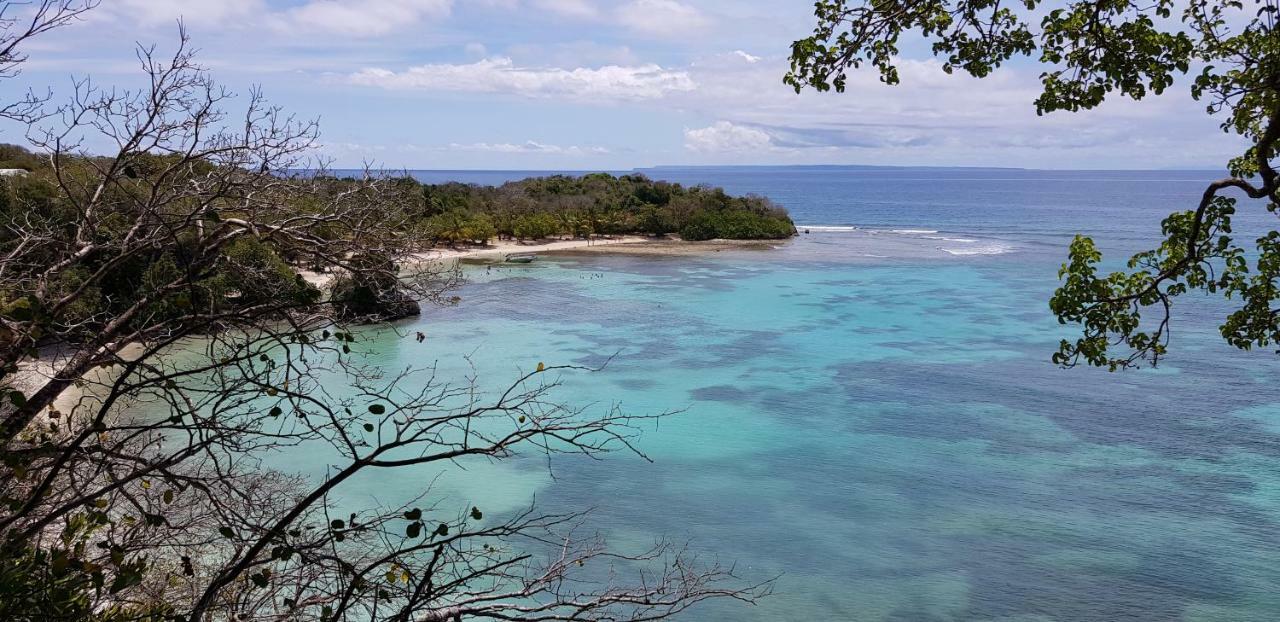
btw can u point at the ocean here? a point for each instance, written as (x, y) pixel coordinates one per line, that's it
(869, 412)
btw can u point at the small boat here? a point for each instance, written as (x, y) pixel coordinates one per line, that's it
(521, 258)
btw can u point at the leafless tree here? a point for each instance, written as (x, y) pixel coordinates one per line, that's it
(216, 356)
(20, 22)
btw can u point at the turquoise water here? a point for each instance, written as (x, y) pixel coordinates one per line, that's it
(871, 414)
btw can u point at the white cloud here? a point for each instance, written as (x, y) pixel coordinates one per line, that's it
(661, 17)
(931, 118)
(362, 19)
(530, 147)
(356, 19)
(578, 9)
(750, 58)
(195, 12)
(501, 75)
(726, 137)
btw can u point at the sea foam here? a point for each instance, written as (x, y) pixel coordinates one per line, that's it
(985, 249)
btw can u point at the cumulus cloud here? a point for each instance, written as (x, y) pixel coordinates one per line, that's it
(661, 17)
(726, 137)
(931, 118)
(501, 75)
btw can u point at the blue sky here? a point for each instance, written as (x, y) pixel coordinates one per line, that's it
(609, 84)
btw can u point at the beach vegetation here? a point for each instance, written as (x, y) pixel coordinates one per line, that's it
(596, 204)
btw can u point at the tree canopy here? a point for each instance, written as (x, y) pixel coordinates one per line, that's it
(1091, 50)
(595, 204)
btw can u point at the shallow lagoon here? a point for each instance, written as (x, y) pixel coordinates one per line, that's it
(875, 418)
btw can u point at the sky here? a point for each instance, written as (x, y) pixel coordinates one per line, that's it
(608, 85)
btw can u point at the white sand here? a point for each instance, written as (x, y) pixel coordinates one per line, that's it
(497, 249)
(505, 247)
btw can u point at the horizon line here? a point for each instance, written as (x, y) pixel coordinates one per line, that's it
(776, 166)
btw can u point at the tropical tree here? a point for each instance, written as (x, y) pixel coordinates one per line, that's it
(1092, 50)
(159, 348)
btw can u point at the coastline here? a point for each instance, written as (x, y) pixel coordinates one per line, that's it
(32, 375)
(496, 250)
(499, 248)
(623, 244)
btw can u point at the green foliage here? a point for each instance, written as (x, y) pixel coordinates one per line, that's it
(373, 291)
(598, 203)
(259, 275)
(460, 226)
(72, 579)
(1092, 49)
(534, 226)
(249, 270)
(15, 156)
(736, 225)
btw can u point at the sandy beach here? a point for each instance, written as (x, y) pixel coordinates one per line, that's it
(628, 244)
(500, 248)
(496, 250)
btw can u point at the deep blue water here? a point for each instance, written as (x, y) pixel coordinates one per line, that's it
(872, 414)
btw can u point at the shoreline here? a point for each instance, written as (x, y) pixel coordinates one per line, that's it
(499, 248)
(622, 244)
(34, 374)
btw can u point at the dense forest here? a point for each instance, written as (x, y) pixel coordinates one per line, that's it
(261, 269)
(596, 204)
(540, 207)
